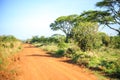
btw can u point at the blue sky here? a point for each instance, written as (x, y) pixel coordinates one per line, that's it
(27, 18)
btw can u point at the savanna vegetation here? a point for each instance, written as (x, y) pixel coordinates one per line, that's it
(83, 43)
(9, 45)
(99, 54)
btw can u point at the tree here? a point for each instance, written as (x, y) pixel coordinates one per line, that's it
(84, 33)
(65, 24)
(101, 17)
(108, 17)
(34, 39)
(113, 8)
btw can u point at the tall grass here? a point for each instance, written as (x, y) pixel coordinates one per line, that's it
(106, 60)
(9, 45)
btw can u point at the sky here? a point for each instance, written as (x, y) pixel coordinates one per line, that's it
(27, 18)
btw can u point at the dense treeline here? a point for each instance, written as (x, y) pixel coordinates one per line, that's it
(56, 38)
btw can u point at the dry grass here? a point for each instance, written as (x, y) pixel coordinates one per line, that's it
(8, 48)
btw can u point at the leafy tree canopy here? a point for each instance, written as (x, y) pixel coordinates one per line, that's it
(84, 33)
(109, 16)
(65, 24)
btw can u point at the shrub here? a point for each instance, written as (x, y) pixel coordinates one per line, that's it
(62, 45)
(50, 47)
(75, 58)
(115, 41)
(8, 46)
(71, 49)
(94, 62)
(59, 53)
(111, 67)
(81, 58)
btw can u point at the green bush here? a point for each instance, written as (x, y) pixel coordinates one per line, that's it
(111, 67)
(107, 60)
(84, 34)
(108, 66)
(75, 58)
(62, 45)
(94, 62)
(81, 58)
(59, 53)
(115, 42)
(71, 49)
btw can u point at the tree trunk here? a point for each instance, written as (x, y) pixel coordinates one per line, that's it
(67, 37)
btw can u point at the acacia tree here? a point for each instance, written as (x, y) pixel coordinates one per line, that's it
(112, 7)
(65, 24)
(108, 17)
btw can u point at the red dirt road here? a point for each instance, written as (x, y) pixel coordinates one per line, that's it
(35, 64)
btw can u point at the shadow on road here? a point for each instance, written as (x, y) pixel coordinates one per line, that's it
(39, 55)
(52, 56)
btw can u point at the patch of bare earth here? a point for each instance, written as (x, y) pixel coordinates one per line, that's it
(34, 64)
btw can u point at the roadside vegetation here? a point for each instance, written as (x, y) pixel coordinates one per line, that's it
(83, 43)
(9, 45)
(103, 56)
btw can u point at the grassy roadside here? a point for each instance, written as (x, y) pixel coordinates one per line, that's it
(9, 45)
(104, 62)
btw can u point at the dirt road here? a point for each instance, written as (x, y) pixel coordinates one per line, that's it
(35, 64)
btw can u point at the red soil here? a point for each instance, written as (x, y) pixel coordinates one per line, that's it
(35, 64)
